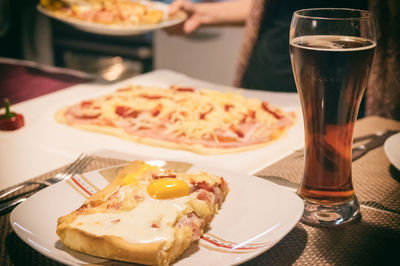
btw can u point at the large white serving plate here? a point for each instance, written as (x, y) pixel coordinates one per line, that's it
(119, 30)
(42, 130)
(255, 216)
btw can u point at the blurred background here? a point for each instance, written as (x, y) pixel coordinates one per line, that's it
(27, 34)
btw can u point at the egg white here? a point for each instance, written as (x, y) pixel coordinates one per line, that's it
(135, 226)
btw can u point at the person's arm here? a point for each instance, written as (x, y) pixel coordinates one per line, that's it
(219, 13)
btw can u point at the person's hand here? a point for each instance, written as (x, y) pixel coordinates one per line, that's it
(216, 13)
(198, 14)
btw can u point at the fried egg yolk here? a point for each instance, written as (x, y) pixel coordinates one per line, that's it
(168, 188)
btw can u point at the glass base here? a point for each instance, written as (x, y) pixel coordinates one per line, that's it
(331, 215)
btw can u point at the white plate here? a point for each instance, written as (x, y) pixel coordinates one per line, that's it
(254, 217)
(118, 30)
(392, 150)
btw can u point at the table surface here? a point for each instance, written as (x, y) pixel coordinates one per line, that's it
(373, 240)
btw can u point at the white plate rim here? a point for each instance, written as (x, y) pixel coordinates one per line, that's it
(116, 30)
(390, 149)
(286, 228)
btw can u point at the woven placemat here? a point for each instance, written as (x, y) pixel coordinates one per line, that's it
(374, 240)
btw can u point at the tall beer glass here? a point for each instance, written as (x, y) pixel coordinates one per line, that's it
(331, 53)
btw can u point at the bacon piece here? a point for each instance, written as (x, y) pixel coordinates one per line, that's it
(151, 97)
(84, 110)
(202, 195)
(124, 89)
(251, 114)
(184, 89)
(203, 115)
(125, 111)
(227, 107)
(218, 197)
(237, 131)
(206, 196)
(83, 208)
(157, 110)
(223, 182)
(139, 198)
(116, 221)
(194, 222)
(114, 200)
(266, 108)
(203, 185)
(115, 205)
(222, 138)
(86, 104)
(155, 177)
(155, 113)
(154, 225)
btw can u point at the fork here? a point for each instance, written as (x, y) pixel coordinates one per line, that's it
(74, 168)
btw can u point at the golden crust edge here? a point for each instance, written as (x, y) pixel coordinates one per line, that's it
(111, 247)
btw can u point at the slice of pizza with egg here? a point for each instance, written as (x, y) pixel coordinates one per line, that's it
(147, 215)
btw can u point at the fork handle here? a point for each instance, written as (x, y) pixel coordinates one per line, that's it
(9, 205)
(17, 187)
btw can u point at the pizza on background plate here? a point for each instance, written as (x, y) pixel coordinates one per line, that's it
(106, 12)
(202, 121)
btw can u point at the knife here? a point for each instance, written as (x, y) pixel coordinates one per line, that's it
(377, 140)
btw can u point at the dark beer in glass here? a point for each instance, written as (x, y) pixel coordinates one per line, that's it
(331, 64)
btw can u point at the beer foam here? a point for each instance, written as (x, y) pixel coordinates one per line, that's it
(331, 42)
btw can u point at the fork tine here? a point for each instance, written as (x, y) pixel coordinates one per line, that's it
(72, 165)
(76, 167)
(85, 162)
(80, 165)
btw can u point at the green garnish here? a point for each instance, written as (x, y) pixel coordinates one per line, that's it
(8, 113)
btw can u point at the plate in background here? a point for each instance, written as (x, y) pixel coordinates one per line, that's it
(392, 150)
(118, 30)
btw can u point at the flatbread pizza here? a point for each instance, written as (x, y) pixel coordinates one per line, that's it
(202, 121)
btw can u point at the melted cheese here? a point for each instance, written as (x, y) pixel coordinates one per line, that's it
(150, 221)
(195, 115)
(185, 116)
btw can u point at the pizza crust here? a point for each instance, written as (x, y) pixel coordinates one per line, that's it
(110, 246)
(117, 248)
(197, 148)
